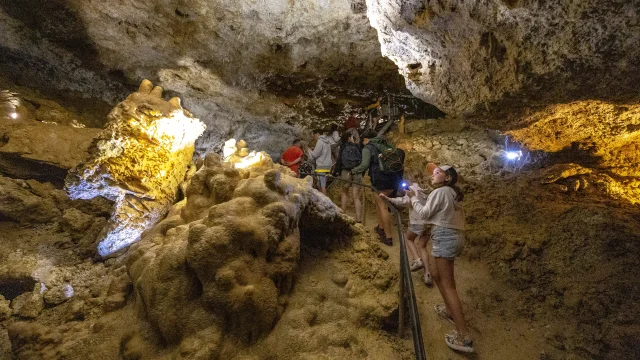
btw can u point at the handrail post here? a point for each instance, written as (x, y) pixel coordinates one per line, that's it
(401, 301)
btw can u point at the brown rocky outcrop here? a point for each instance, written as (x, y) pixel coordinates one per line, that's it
(138, 161)
(216, 276)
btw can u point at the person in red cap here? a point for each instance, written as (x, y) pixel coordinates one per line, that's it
(444, 211)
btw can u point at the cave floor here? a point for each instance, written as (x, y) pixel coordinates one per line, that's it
(497, 334)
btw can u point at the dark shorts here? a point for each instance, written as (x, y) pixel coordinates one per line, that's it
(386, 182)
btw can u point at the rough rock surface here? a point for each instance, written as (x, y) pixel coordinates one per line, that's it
(224, 59)
(215, 276)
(563, 235)
(138, 161)
(462, 55)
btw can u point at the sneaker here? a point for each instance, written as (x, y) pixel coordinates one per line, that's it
(442, 311)
(379, 231)
(458, 342)
(427, 279)
(416, 264)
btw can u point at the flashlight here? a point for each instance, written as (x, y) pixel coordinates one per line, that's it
(14, 115)
(405, 185)
(512, 155)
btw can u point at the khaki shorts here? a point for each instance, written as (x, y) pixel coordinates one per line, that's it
(346, 175)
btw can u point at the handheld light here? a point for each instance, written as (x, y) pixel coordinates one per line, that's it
(14, 115)
(512, 155)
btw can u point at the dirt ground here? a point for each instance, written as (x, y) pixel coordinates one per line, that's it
(496, 334)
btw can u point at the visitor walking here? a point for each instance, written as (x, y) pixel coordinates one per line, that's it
(444, 211)
(385, 176)
(350, 156)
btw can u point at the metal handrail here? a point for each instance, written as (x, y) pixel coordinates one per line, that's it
(406, 280)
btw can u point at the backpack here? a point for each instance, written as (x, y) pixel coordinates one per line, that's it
(351, 156)
(390, 158)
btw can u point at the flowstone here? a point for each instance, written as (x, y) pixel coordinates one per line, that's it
(215, 276)
(138, 161)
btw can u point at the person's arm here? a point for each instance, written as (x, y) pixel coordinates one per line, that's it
(335, 136)
(364, 164)
(403, 201)
(317, 151)
(433, 205)
(296, 161)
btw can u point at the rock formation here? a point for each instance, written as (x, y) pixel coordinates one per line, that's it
(138, 161)
(219, 56)
(215, 275)
(463, 55)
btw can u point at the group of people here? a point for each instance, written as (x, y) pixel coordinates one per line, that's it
(436, 215)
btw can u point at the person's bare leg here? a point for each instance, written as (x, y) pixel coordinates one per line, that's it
(384, 216)
(421, 245)
(344, 198)
(447, 287)
(411, 246)
(375, 198)
(356, 202)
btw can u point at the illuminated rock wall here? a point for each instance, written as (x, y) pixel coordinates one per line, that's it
(138, 161)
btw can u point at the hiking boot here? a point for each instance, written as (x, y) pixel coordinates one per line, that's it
(442, 311)
(458, 342)
(427, 279)
(416, 265)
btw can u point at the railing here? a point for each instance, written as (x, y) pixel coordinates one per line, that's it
(406, 282)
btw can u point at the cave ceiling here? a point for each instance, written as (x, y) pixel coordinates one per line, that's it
(241, 66)
(269, 66)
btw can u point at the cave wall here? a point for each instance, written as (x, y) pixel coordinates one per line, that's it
(463, 56)
(219, 56)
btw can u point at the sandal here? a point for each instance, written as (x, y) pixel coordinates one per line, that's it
(416, 264)
(442, 311)
(458, 342)
(427, 279)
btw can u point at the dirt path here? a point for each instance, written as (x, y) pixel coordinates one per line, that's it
(496, 336)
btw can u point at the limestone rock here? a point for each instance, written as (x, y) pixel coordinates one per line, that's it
(460, 55)
(139, 161)
(60, 146)
(28, 305)
(58, 294)
(228, 265)
(5, 310)
(20, 204)
(75, 220)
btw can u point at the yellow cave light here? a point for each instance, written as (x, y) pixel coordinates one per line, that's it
(249, 160)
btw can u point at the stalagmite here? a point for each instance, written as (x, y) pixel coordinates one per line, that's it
(138, 161)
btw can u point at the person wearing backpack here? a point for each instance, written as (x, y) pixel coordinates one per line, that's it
(385, 165)
(349, 157)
